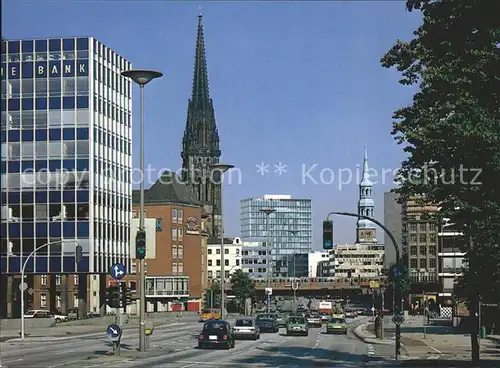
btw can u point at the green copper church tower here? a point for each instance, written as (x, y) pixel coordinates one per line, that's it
(200, 144)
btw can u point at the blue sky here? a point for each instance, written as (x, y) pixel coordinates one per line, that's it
(296, 82)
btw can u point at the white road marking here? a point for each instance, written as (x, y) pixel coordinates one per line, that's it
(12, 361)
(371, 349)
(436, 350)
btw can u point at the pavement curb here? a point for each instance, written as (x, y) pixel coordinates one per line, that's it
(368, 339)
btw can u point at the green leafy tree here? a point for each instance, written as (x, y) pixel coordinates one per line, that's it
(451, 131)
(242, 287)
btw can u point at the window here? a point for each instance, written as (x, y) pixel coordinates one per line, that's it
(43, 280)
(210, 262)
(41, 86)
(28, 87)
(82, 86)
(423, 251)
(432, 227)
(226, 262)
(180, 213)
(413, 238)
(180, 268)
(226, 251)
(218, 262)
(75, 280)
(422, 227)
(43, 300)
(41, 149)
(226, 273)
(432, 263)
(237, 252)
(174, 252)
(54, 87)
(58, 280)
(180, 232)
(209, 251)
(432, 237)
(432, 250)
(180, 251)
(174, 215)
(58, 301)
(69, 86)
(423, 263)
(237, 262)
(217, 274)
(413, 251)
(75, 301)
(413, 228)
(210, 274)
(174, 267)
(423, 238)
(413, 264)
(174, 234)
(217, 251)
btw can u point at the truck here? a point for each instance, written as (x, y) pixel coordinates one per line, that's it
(325, 308)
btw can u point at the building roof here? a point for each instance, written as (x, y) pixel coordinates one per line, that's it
(168, 189)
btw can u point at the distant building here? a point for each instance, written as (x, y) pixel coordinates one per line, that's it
(289, 227)
(254, 258)
(298, 265)
(232, 258)
(393, 222)
(359, 260)
(314, 259)
(366, 230)
(451, 260)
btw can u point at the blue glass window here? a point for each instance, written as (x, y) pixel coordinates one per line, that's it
(55, 229)
(3, 135)
(3, 197)
(69, 165)
(14, 47)
(41, 103)
(82, 102)
(27, 46)
(82, 133)
(55, 264)
(55, 45)
(14, 167)
(41, 134)
(3, 231)
(41, 196)
(54, 165)
(68, 229)
(54, 197)
(3, 103)
(14, 197)
(14, 104)
(68, 196)
(54, 103)
(28, 166)
(27, 104)
(27, 69)
(41, 69)
(28, 230)
(27, 135)
(55, 134)
(68, 102)
(82, 196)
(41, 165)
(15, 230)
(27, 197)
(41, 229)
(82, 44)
(69, 265)
(3, 167)
(68, 134)
(40, 45)
(14, 136)
(41, 264)
(82, 165)
(68, 44)
(83, 229)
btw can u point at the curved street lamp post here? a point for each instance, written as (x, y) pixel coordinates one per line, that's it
(268, 211)
(78, 251)
(396, 287)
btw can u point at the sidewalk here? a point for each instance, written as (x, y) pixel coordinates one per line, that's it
(65, 332)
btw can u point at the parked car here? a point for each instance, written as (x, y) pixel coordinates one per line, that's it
(216, 333)
(45, 313)
(297, 326)
(246, 327)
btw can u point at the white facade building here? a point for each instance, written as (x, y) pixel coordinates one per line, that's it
(254, 258)
(362, 260)
(232, 258)
(314, 258)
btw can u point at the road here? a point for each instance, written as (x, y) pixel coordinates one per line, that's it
(175, 346)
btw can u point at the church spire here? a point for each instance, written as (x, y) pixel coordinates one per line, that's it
(366, 205)
(200, 96)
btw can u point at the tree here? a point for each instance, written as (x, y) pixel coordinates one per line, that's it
(451, 131)
(242, 286)
(212, 295)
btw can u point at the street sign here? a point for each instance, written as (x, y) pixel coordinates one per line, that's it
(373, 309)
(396, 272)
(114, 332)
(398, 319)
(269, 291)
(23, 287)
(117, 271)
(374, 285)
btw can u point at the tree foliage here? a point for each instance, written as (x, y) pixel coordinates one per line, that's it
(451, 131)
(212, 295)
(242, 286)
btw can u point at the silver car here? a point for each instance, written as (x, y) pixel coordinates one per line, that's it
(246, 328)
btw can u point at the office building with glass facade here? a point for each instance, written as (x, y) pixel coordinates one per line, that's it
(66, 115)
(289, 228)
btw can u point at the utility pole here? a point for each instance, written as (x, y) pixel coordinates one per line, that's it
(424, 304)
(268, 211)
(383, 314)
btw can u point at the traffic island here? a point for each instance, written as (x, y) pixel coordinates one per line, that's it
(363, 333)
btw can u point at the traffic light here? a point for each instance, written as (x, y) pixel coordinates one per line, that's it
(126, 295)
(140, 244)
(327, 234)
(113, 296)
(79, 253)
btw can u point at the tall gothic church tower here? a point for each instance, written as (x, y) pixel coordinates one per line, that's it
(200, 144)
(366, 230)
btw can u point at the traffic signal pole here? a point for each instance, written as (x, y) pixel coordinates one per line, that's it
(396, 286)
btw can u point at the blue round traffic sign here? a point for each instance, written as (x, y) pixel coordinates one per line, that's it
(114, 330)
(117, 271)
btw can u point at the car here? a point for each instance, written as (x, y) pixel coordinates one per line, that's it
(336, 326)
(282, 317)
(267, 323)
(216, 333)
(246, 327)
(209, 314)
(44, 313)
(325, 317)
(314, 320)
(297, 326)
(350, 313)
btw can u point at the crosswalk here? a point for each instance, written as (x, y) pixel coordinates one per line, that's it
(371, 349)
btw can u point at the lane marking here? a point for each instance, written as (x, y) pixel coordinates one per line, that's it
(371, 349)
(12, 361)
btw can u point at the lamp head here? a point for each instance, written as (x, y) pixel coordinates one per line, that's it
(142, 76)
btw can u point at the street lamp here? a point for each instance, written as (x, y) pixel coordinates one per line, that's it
(268, 211)
(142, 77)
(222, 168)
(78, 251)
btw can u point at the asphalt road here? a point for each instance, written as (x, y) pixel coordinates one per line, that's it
(176, 347)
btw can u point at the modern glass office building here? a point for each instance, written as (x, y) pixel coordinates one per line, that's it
(65, 156)
(290, 227)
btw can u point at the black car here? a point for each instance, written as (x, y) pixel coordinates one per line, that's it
(216, 333)
(267, 323)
